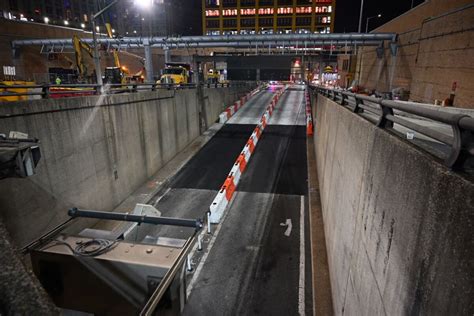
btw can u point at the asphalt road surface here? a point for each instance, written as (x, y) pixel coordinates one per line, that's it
(254, 267)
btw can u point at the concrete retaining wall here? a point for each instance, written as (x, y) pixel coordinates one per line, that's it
(435, 50)
(97, 150)
(398, 224)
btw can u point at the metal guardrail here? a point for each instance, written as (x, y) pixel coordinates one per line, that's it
(461, 143)
(47, 91)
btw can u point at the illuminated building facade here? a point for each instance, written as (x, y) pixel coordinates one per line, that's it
(221, 17)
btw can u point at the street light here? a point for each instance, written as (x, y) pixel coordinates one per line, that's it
(144, 4)
(46, 20)
(368, 19)
(360, 15)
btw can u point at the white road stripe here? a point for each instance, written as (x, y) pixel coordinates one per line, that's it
(301, 287)
(204, 257)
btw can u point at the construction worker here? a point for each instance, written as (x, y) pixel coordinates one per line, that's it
(58, 80)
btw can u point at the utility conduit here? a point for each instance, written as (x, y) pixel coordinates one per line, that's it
(227, 190)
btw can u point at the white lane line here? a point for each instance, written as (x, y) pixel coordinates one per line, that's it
(204, 257)
(301, 287)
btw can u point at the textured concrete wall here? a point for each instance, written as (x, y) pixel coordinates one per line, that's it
(96, 150)
(398, 224)
(435, 49)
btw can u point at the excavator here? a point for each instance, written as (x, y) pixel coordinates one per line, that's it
(80, 46)
(120, 73)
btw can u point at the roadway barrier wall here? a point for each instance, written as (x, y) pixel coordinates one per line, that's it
(398, 223)
(97, 150)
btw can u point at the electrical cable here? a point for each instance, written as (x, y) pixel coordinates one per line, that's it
(90, 248)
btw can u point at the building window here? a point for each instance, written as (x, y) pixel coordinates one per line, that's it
(230, 23)
(212, 12)
(324, 9)
(287, 10)
(229, 12)
(247, 3)
(304, 9)
(229, 3)
(247, 11)
(212, 3)
(265, 21)
(285, 2)
(212, 23)
(247, 22)
(266, 2)
(303, 21)
(265, 11)
(323, 19)
(284, 21)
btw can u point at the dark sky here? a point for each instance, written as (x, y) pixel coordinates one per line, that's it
(347, 14)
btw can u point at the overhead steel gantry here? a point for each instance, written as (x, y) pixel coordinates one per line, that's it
(237, 41)
(303, 42)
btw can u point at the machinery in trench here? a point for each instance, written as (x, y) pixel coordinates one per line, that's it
(131, 269)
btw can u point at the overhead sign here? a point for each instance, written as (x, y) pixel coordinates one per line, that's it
(9, 71)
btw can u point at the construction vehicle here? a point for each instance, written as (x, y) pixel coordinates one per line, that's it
(80, 46)
(176, 74)
(213, 76)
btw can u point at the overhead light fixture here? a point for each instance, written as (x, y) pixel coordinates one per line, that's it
(135, 31)
(46, 20)
(83, 25)
(66, 22)
(113, 30)
(97, 28)
(144, 4)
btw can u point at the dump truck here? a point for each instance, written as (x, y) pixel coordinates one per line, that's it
(176, 74)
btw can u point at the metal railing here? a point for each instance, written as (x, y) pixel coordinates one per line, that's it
(46, 91)
(389, 112)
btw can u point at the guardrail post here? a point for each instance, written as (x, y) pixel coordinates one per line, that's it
(343, 100)
(45, 93)
(383, 121)
(97, 89)
(153, 87)
(134, 88)
(357, 108)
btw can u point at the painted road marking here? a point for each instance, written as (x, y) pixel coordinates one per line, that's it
(301, 287)
(289, 227)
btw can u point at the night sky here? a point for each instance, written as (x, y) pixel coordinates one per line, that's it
(347, 14)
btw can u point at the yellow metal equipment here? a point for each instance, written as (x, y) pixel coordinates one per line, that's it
(176, 73)
(213, 76)
(79, 46)
(5, 90)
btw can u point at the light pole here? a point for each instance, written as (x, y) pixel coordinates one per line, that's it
(368, 19)
(360, 15)
(98, 70)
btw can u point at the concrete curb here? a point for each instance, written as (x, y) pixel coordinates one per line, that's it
(231, 110)
(227, 190)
